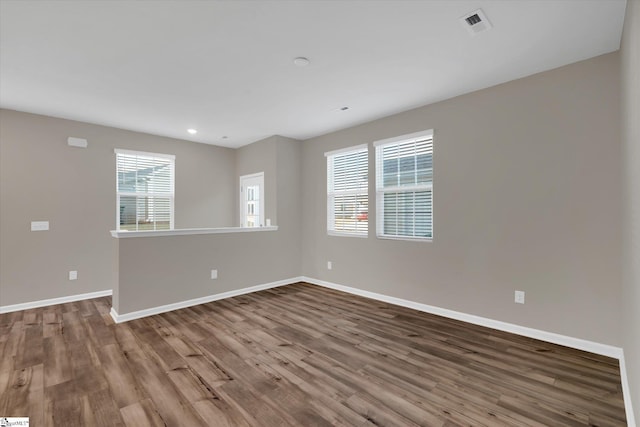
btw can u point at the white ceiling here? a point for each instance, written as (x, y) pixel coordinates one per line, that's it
(225, 67)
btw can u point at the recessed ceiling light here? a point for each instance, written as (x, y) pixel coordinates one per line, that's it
(192, 131)
(301, 61)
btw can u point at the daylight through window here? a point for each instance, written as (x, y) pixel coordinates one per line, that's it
(404, 186)
(145, 190)
(348, 191)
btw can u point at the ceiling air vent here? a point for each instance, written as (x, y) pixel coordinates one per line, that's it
(476, 22)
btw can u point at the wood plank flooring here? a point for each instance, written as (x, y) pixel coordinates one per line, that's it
(297, 355)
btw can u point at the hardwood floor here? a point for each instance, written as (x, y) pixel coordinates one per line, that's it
(297, 355)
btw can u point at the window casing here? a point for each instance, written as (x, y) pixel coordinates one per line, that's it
(145, 190)
(404, 187)
(348, 191)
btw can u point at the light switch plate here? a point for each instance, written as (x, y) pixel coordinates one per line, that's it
(77, 142)
(73, 275)
(39, 225)
(519, 297)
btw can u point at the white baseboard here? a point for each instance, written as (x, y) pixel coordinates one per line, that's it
(53, 301)
(628, 406)
(577, 343)
(119, 318)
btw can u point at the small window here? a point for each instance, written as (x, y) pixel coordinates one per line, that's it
(145, 190)
(404, 187)
(348, 191)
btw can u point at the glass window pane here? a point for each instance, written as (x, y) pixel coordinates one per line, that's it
(151, 178)
(347, 192)
(407, 171)
(406, 164)
(127, 213)
(424, 168)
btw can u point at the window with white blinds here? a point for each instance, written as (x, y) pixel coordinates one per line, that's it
(348, 191)
(145, 190)
(404, 187)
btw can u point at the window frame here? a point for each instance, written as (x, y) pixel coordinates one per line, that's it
(170, 195)
(381, 190)
(331, 215)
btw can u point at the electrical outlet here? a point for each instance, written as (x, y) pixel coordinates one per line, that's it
(329, 265)
(520, 297)
(73, 275)
(214, 274)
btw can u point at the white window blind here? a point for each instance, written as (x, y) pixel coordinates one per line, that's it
(404, 187)
(145, 190)
(348, 191)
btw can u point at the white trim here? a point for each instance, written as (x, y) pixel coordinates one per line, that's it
(134, 194)
(411, 137)
(114, 314)
(144, 153)
(626, 393)
(360, 147)
(577, 343)
(253, 175)
(347, 234)
(72, 141)
(120, 234)
(551, 337)
(54, 301)
(405, 238)
(119, 318)
(403, 188)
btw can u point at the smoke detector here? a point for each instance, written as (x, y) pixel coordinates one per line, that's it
(476, 22)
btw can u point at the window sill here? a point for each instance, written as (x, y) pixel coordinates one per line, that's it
(341, 234)
(406, 238)
(189, 231)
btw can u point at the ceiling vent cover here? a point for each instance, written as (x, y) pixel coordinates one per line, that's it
(476, 22)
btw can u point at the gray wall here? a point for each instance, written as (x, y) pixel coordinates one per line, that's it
(154, 271)
(42, 178)
(630, 55)
(261, 156)
(527, 196)
(289, 172)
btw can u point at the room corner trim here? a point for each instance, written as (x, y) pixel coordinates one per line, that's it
(114, 314)
(120, 318)
(54, 301)
(626, 393)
